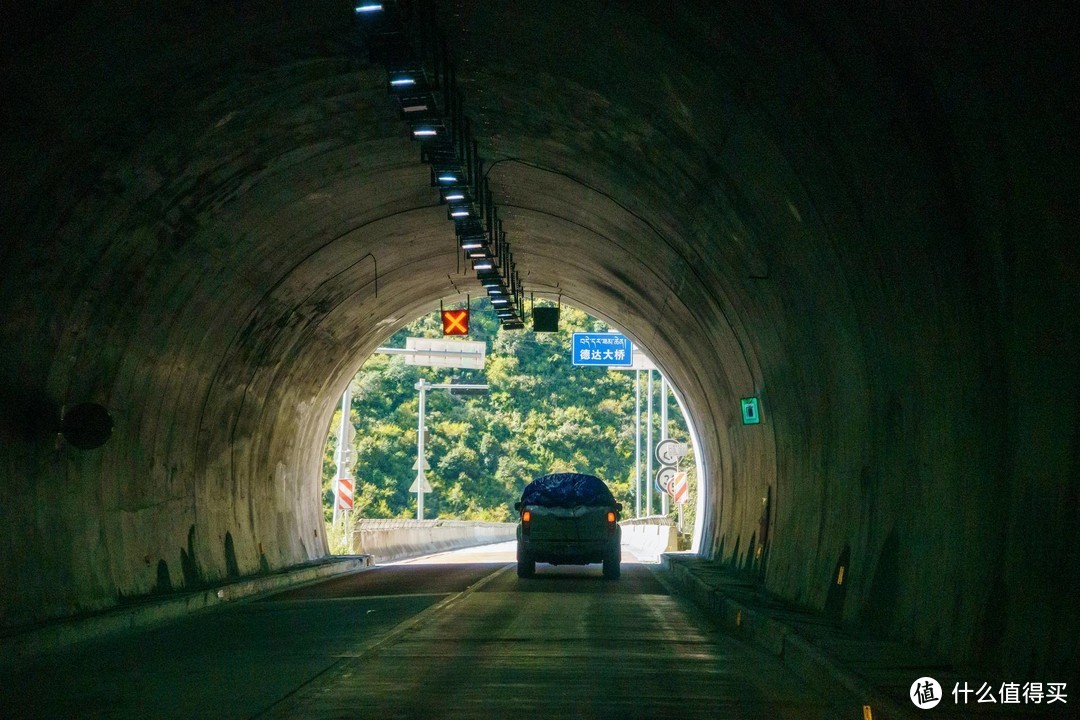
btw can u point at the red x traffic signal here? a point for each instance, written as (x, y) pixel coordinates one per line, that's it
(455, 322)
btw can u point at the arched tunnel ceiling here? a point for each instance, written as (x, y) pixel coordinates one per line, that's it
(214, 215)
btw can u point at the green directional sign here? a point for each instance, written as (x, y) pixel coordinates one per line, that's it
(751, 415)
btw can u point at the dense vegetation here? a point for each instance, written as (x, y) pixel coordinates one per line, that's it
(542, 415)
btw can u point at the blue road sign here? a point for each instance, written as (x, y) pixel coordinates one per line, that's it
(602, 350)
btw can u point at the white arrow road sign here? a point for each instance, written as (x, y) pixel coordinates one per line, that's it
(415, 487)
(669, 451)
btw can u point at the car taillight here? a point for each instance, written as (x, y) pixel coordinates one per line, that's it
(611, 518)
(526, 521)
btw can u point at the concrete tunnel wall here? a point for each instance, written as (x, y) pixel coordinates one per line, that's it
(212, 215)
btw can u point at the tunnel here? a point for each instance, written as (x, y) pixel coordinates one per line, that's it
(212, 214)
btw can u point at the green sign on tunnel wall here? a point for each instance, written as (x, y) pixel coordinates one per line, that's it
(750, 413)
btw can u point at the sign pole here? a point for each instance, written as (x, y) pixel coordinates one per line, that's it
(420, 479)
(421, 485)
(665, 507)
(649, 446)
(637, 443)
(342, 451)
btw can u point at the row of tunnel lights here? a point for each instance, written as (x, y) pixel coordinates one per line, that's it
(447, 144)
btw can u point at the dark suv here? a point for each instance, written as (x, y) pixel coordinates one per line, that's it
(568, 519)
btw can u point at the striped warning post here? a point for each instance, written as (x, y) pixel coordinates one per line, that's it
(344, 494)
(679, 487)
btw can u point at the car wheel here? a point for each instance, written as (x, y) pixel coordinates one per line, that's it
(526, 565)
(612, 560)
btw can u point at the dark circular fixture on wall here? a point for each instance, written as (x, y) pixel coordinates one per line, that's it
(86, 425)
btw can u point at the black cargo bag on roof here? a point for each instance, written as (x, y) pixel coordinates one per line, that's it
(567, 490)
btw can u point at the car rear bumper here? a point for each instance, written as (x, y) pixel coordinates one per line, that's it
(563, 552)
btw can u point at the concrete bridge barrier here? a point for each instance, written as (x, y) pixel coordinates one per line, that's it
(389, 540)
(650, 537)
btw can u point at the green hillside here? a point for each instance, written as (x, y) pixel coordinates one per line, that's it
(542, 415)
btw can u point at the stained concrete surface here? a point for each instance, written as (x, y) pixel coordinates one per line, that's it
(879, 672)
(228, 663)
(866, 219)
(446, 637)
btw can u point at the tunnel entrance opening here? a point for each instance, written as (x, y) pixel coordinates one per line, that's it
(530, 408)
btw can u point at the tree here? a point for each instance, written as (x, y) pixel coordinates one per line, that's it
(543, 414)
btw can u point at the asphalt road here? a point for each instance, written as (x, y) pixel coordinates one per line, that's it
(456, 636)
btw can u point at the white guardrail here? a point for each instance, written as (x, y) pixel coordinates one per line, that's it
(389, 540)
(649, 537)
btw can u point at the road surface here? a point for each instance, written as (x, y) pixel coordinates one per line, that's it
(457, 635)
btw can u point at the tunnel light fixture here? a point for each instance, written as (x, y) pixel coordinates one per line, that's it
(470, 243)
(473, 237)
(411, 100)
(368, 8)
(430, 103)
(456, 194)
(413, 105)
(428, 121)
(459, 210)
(469, 226)
(409, 83)
(479, 253)
(404, 75)
(443, 176)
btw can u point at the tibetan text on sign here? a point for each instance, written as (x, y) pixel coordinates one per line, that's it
(602, 350)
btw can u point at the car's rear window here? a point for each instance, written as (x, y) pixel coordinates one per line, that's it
(567, 490)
